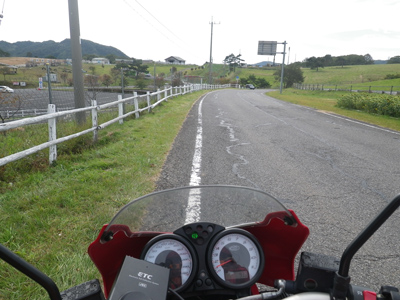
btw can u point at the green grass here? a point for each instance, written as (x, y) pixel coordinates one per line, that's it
(49, 216)
(326, 101)
(350, 74)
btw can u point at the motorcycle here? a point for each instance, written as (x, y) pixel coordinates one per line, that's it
(212, 242)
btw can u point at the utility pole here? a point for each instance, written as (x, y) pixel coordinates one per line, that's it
(76, 50)
(210, 71)
(283, 66)
(49, 83)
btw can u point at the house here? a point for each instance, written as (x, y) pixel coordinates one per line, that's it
(175, 60)
(100, 60)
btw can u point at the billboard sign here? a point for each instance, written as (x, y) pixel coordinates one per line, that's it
(267, 47)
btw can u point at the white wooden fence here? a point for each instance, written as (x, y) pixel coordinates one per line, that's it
(52, 115)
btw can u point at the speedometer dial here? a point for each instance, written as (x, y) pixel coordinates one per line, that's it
(236, 258)
(172, 252)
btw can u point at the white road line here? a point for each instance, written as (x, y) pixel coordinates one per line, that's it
(193, 208)
(360, 123)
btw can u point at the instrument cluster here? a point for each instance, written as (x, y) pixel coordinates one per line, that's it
(206, 256)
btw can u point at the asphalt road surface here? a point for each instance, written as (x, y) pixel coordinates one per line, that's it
(335, 173)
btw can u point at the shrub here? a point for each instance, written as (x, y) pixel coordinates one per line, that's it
(381, 104)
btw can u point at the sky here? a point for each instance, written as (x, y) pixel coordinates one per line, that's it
(157, 29)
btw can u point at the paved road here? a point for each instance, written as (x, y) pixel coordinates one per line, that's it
(335, 173)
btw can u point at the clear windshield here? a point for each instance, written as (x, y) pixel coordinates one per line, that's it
(168, 210)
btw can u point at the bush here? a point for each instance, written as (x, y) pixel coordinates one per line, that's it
(392, 76)
(387, 105)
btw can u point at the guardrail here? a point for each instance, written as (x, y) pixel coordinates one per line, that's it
(391, 90)
(52, 115)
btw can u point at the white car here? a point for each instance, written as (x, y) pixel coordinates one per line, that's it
(6, 89)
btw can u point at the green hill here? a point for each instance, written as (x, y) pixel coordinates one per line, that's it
(61, 50)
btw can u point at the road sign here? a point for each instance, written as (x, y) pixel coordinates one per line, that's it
(267, 47)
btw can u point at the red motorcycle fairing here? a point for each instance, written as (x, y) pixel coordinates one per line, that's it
(280, 244)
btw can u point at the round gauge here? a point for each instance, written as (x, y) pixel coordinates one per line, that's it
(174, 253)
(235, 258)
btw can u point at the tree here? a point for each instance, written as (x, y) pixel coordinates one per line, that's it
(258, 82)
(394, 60)
(233, 61)
(160, 82)
(92, 69)
(141, 84)
(116, 75)
(111, 58)
(368, 59)
(177, 79)
(88, 57)
(106, 80)
(10, 104)
(64, 76)
(291, 75)
(315, 63)
(262, 83)
(92, 81)
(341, 61)
(328, 59)
(132, 68)
(4, 53)
(137, 66)
(5, 71)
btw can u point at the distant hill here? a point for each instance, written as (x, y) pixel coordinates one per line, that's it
(264, 63)
(61, 50)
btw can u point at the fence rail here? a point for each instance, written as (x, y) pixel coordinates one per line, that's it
(392, 90)
(51, 117)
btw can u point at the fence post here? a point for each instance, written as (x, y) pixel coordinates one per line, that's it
(94, 120)
(135, 101)
(51, 108)
(391, 89)
(165, 94)
(148, 101)
(158, 95)
(120, 109)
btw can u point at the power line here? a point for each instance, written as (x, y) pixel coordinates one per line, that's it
(131, 7)
(157, 20)
(162, 33)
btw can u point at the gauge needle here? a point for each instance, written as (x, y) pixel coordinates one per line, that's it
(225, 262)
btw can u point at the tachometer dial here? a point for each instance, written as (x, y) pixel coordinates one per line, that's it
(174, 253)
(235, 258)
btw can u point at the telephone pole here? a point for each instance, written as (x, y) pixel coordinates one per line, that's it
(76, 51)
(210, 71)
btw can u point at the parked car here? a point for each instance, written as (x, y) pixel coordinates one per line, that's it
(250, 86)
(6, 89)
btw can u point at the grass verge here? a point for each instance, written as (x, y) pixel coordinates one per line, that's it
(49, 217)
(326, 101)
